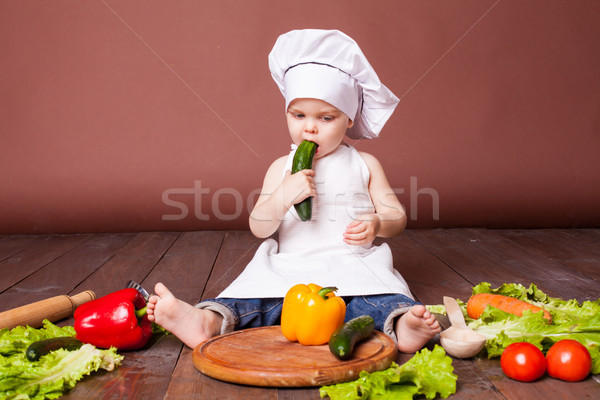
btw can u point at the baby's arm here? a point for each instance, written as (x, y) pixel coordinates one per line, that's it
(278, 195)
(389, 218)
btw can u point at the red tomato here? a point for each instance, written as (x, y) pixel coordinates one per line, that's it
(523, 362)
(568, 360)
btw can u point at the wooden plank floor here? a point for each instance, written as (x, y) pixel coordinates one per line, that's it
(198, 265)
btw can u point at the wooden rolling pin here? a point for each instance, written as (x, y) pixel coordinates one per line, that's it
(53, 309)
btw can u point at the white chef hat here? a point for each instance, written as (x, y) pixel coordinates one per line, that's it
(328, 65)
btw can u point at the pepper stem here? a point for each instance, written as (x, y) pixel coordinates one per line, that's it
(326, 290)
(141, 312)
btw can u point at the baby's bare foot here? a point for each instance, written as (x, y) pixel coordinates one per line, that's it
(190, 324)
(415, 328)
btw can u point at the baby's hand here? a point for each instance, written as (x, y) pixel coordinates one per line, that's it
(299, 186)
(362, 230)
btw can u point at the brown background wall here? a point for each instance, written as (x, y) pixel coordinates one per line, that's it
(156, 115)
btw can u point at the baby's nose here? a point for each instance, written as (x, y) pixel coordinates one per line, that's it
(310, 126)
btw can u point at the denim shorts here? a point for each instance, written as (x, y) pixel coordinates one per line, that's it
(251, 313)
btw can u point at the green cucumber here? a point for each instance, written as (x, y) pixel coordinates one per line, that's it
(303, 160)
(342, 342)
(43, 347)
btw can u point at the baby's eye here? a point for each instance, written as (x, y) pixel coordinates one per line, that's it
(298, 115)
(328, 118)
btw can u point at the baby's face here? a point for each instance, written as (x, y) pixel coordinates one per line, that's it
(319, 122)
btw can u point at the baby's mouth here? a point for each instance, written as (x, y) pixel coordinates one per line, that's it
(317, 151)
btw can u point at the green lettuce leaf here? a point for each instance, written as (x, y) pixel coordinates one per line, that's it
(562, 311)
(441, 309)
(55, 372)
(436, 308)
(427, 373)
(17, 340)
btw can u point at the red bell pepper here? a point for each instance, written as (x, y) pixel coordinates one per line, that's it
(116, 320)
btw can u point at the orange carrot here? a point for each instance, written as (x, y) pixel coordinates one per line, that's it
(479, 302)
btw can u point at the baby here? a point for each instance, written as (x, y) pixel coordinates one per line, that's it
(330, 91)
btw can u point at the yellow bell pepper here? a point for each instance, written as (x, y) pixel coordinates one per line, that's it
(311, 314)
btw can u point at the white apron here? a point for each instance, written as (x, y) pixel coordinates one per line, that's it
(314, 251)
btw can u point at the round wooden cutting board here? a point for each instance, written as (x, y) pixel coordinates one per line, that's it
(264, 357)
